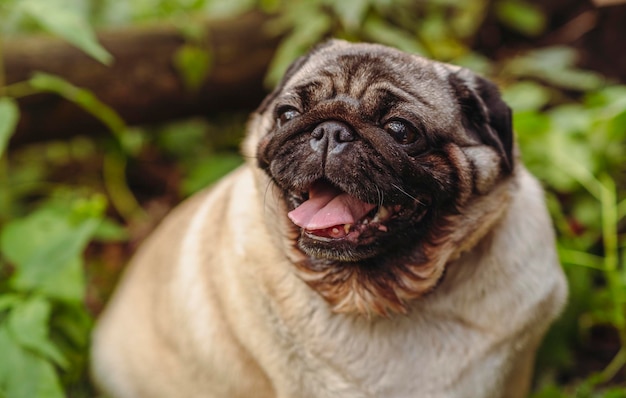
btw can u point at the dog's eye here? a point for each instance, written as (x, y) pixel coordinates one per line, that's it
(401, 131)
(286, 114)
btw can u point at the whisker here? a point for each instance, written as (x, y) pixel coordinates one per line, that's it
(406, 193)
(267, 190)
(380, 195)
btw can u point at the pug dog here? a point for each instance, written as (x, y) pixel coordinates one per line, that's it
(383, 239)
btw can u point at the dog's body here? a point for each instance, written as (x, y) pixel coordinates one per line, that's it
(230, 299)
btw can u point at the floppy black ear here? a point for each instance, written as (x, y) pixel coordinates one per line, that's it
(485, 114)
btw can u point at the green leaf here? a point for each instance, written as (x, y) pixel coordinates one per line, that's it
(24, 374)
(475, 62)
(615, 392)
(467, 17)
(554, 65)
(307, 30)
(351, 13)
(73, 323)
(38, 226)
(84, 208)
(575, 79)
(57, 268)
(521, 16)
(9, 116)
(49, 260)
(193, 64)
(526, 96)
(28, 324)
(8, 301)
(110, 231)
(61, 18)
(555, 58)
(614, 96)
(229, 9)
(572, 119)
(377, 29)
(437, 36)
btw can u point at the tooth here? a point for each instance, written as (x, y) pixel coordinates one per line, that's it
(381, 215)
(346, 228)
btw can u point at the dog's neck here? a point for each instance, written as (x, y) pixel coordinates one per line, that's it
(468, 227)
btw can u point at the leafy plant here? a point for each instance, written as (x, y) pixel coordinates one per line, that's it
(204, 151)
(578, 150)
(44, 324)
(46, 285)
(439, 29)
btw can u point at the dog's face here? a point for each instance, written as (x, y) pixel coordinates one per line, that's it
(378, 155)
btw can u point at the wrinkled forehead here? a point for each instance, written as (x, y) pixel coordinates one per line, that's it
(353, 71)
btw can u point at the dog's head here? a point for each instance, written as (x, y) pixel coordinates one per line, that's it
(382, 160)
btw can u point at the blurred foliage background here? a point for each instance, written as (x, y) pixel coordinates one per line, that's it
(73, 210)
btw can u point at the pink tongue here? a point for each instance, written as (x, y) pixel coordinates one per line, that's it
(328, 207)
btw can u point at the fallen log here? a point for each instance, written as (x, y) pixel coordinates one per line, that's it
(142, 84)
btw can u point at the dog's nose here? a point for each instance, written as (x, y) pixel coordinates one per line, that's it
(331, 137)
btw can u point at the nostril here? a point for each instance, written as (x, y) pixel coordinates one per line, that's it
(344, 135)
(318, 133)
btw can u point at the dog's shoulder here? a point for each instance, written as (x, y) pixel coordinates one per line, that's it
(513, 277)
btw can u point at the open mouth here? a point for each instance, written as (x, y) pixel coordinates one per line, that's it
(326, 213)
